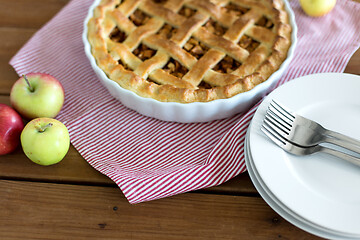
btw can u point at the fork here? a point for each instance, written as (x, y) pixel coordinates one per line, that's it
(303, 131)
(301, 151)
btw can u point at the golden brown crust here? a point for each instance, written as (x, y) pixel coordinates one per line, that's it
(189, 50)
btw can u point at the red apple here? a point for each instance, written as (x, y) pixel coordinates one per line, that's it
(11, 125)
(37, 95)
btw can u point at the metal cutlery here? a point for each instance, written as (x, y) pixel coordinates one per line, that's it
(300, 151)
(305, 132)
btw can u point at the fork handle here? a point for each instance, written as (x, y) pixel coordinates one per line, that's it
(344, 156)
(343, 141)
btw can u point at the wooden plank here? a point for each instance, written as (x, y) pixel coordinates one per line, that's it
(11, 39)
(72, 169)
(28, 13)
(354, 63)
(58, 211)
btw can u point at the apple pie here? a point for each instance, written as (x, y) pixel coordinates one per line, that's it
(189, 50)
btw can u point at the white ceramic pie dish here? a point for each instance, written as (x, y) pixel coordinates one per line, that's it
(189, 112)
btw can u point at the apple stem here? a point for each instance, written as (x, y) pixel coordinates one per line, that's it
(42, 129)
(28, 83)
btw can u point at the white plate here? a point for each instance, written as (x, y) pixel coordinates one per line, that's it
(319, 188)
(190, 112)
(282, 210)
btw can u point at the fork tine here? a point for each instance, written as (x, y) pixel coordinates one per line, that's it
(283, 110)
(281, 115)
(276, 127)
(279, 119)
(273, 136)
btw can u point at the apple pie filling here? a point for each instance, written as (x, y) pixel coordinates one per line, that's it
(236, 9)
(139, 18)
(187, 12)
(227, 65)
(144, 52)
(167, 31)
(160, 1)
(195, 48)
(124, 64)
(214, 27)
(175, 68)
(117, 35)
(248, 43)
(265, 22)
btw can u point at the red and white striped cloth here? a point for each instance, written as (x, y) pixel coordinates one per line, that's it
(149, 158)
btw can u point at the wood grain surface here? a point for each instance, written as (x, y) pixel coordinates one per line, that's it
(71, 200)
(103, 213)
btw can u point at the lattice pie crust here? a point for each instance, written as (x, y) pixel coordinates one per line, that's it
(189, 51)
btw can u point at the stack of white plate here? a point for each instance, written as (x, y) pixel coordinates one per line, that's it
(318, 193)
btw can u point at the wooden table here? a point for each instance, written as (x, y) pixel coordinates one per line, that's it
(71, 200)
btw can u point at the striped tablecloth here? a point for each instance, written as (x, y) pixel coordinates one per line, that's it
(148, 158)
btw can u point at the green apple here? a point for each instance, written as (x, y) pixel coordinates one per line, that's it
(317, 8)
(37, 95)
(45, 141)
